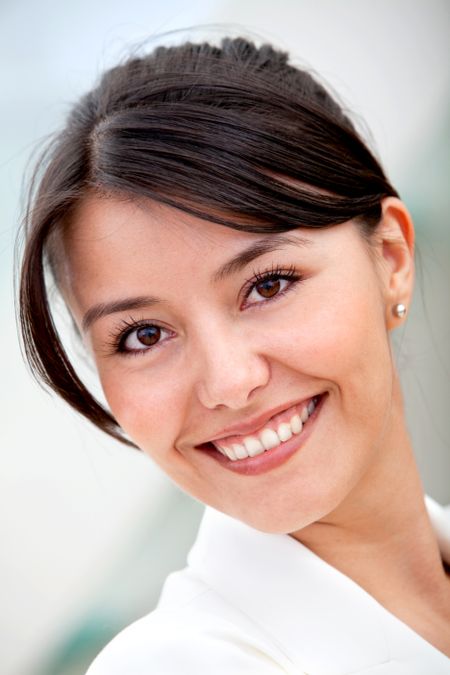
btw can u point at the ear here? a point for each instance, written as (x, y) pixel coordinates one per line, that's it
(395, 248)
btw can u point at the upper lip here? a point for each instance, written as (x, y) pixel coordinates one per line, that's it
(254, 423)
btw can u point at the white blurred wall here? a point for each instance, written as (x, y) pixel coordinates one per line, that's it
(69, 497)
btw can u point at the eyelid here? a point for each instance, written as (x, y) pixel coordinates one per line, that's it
(120, 333)
(289, 273)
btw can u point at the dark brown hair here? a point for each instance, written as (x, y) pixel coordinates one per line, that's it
(232, 134)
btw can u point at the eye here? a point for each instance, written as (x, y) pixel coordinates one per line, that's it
(138, 338)
(144, 336)
(269, 287)
(270, 284)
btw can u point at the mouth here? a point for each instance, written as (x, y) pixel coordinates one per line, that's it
(280, 438)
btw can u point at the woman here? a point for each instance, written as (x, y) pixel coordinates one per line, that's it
(235, 260)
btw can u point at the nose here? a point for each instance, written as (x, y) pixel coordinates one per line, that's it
(231, 370)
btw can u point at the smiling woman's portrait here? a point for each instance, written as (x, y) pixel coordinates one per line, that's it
(236, 262)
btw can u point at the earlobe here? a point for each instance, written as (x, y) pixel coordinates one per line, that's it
(396, 249)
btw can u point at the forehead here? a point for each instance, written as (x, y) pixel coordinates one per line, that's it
(114, 247)
(109, 226)
(107, 238)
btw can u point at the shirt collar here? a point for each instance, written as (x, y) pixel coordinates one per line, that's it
(239, 561)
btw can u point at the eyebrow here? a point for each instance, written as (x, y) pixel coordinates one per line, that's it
(97, 312)
(237, 263)
(259, 248)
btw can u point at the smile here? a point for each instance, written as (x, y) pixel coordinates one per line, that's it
(270, 446)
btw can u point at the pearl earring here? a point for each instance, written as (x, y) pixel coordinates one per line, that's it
(399, 310)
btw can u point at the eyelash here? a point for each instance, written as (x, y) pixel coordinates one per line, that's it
(126, 326)
(273, 274)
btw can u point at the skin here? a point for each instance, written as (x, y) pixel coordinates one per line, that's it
(352, 493)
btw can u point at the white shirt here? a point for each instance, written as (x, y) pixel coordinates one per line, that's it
(251, 602)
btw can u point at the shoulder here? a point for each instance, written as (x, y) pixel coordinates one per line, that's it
(194, 630)
(183, 640)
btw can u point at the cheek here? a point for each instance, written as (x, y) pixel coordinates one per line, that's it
(339, 338)
(350, 359)
(334, 332)
(147, 407)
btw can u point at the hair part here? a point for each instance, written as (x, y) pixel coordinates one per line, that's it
(231, 134)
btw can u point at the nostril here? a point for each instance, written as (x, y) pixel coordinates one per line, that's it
(229, 368)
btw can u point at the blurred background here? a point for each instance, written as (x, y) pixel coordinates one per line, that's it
(89, 529)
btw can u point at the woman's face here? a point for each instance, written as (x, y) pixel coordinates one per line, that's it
(209, 341)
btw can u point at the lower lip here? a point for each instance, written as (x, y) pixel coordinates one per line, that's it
(269, 459)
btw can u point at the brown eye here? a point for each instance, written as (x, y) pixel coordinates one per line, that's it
(148, 335)
(142, 337)
(271, 285)
(268, 288)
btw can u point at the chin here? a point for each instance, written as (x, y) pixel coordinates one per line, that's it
(276, 523)
(295, 514)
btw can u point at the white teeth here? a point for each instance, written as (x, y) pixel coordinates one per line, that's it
(304, 414)
(296, 424)
(230, 453)
(269, 439)
(253, 446)
(239, 451)
(284, 432)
